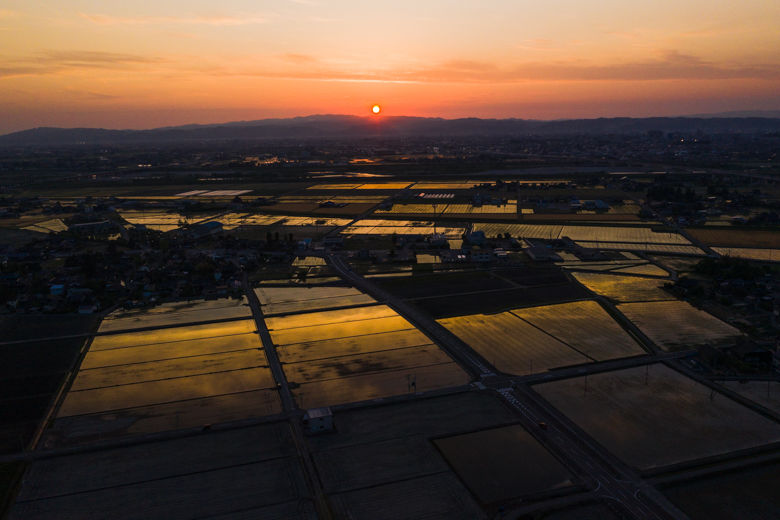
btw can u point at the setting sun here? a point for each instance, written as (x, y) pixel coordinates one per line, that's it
(376, 109)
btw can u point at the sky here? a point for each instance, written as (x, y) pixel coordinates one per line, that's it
(152, 63)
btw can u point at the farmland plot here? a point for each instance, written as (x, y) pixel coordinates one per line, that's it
(646, 247)
(503, 463)
(288, 300)
(677, 263)
(172, 335)
(382, 464)
(624, 288)
(763, 255)
(644, 269)
(675, 325)
(749, 494)
(766, 394)
(737, 238)
(266, 481)
(621, 234)
(584, 326)
(169, 314)
(656, 417)
(511, 344)
(357, 354)
(192, 375)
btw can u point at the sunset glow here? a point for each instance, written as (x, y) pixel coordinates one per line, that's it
(376, 109)
(144, 64)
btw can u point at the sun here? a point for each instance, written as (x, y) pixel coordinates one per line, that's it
(376, 109)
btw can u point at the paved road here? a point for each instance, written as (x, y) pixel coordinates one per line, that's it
(610, 478)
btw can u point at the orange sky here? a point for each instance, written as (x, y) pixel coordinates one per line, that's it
(168, 62)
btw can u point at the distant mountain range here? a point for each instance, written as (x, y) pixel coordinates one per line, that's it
(340, 126)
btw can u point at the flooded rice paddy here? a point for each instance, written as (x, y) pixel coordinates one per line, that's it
(652, 418)
(168, 314)
(676, 325)
(341, 356)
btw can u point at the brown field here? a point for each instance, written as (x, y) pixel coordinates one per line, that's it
(383, 465)
(585, 326)
(174, 335)
(675, 325)
(177, 479)
(750, 494)
(291, 208)
(644, 269)
(738, 237)
(677, 263)
(764, 255)
(656, 417)
(610, 217)
(349, 209)
(169, 314)
(624, 288)
(503, 463)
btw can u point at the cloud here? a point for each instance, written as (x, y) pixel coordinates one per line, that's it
(7, 14)
(212, 19)
(55, 62)
(298, 58)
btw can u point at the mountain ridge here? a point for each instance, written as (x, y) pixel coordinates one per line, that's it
(346, 126)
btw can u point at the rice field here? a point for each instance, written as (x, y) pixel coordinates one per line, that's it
(342, 356)
(512, 345)
(675, 325)
(290, 300)
(168, 314)
(164, 379)
(585, 326)
(47, 226)
(468, 209)
(644, 270)
(400, 228)
(655, 417)
(763, 255)
(624, 288)
(580, 234)
(411, 209)
(652, 248)
(739, 238)
(676, 263)
(764, 393)
(503, 463)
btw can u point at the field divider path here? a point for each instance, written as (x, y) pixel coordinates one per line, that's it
(450, 343)
(288, 402)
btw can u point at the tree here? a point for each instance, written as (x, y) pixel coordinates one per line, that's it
(276, 236)
(269, 238)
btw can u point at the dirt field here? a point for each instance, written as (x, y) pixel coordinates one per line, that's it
(751, 494)
(489, 302)
(503, 463)
(176, 479)
(658, 417)
(737, 237)
(675, 325)
(382, 464)
(624, 288)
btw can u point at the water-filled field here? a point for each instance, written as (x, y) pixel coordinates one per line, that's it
(167, 379)
(585, 326)
(169, 314)
(513, 346)
(654, 417)
(348, 355)
(278, 300)
(676, 325)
